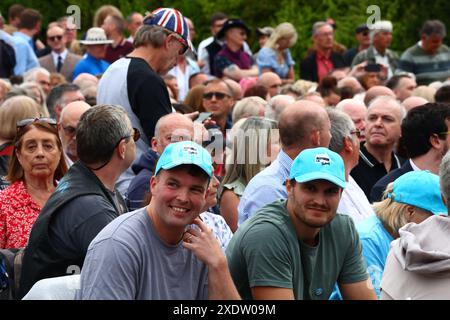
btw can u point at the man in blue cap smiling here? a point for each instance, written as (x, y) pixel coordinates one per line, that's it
(149, 254)
(298, 248)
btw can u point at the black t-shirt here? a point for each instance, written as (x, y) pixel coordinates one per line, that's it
(78, 223)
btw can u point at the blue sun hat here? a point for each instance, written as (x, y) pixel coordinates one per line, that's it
(185, 152)
(318, 164)
(420, 189)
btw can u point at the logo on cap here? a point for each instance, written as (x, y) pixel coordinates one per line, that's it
(190, 150)
(323, 159)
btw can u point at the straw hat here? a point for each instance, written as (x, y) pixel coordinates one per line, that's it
(96, 36)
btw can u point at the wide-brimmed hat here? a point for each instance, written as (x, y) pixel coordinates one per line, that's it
(232, 23)
(95, 36)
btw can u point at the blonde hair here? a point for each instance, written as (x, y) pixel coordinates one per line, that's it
(15, 109)
(425, 92)
(390, 212)
(247, 107)
(284, 29)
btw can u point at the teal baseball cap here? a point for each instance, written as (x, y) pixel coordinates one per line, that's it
(420, 189)
(318, 164)
(185, 152)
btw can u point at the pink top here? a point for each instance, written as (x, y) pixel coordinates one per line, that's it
(18, 212)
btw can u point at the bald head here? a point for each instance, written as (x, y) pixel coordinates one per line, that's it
(85, 76)
(304, 124)
(271, 81)
(413, 101)
(235, 89)
(170, 128)
(377, 91)
(67, 125)
(351, 82)
(314, 97)
(357, 112)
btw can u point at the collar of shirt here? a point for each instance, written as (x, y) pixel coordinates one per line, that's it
(413, 165)
(371, 161)
(22, 35)
(285, 163)
(56, 55)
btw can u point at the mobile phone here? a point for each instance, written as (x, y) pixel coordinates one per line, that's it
(373, 67)
(203, 116)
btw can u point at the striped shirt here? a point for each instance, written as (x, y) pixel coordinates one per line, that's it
(427, 68)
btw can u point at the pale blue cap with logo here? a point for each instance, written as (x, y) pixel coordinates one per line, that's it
(185, 152)
(318, 164)
(420, 189)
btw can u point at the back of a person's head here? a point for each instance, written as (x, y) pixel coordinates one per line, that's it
(98, 131)
(420, 125)
(247, 107)
(15, 11)
(194, 98)
(426, 92)
(29, 18)
(257, 91)
(341, 127)
(377, 91)
(327, 86)
(443, 94)
(14, 109)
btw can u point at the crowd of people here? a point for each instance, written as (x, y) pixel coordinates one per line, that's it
(134, 165)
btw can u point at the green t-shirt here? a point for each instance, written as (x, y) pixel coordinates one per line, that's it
(265, 251)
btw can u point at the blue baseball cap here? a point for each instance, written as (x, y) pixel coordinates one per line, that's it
(420, 189)
(318, 164)
(185, 152)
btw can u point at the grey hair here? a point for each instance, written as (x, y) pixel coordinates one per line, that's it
(248, 107)
(277, 104)
(319, 24)
(99, 130)
(341, 127)
(444, 175)
(434, 27)
(386, 100)
(150, 35)
(31, 74)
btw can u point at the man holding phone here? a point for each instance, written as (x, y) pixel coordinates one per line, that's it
(218, 99)
(378, 52)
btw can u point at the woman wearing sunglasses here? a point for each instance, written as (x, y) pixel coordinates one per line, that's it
(36, 164)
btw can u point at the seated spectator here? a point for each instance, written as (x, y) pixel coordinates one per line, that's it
(37, 163)
(263, 35)
(253, 148)
(275, 55)
(232, 61)
(93, 62)
(413, 197)
(248, 107)
(11, 111)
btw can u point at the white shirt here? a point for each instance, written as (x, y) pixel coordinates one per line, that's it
(56, 55)
(384, 61)
(354, 202)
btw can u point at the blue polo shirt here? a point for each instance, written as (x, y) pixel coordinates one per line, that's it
(91, 65)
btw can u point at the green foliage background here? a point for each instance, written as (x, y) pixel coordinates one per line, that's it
(407, 16)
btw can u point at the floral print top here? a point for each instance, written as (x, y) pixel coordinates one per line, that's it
(18, 212)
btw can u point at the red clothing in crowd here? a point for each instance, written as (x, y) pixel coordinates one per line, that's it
(18, 212)
(119, 51)
(324, 65)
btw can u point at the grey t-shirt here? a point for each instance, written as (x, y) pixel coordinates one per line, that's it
(265, 251)
(128, 260)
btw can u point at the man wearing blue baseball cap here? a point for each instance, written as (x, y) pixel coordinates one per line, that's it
(148, 254)
(299, 248)
(134, 82)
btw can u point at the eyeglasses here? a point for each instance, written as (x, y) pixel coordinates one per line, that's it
(136, 135)
(54, 38)
(356, 132)
(23, 123)
(218, 95)
(69, 130)
(182, 42)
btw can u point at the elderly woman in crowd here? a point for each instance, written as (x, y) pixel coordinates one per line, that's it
(11, 111)
(35, 167)
(413, 197)
(275, 55)
(254, 146)
(247, 107)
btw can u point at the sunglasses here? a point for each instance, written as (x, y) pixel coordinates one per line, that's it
(25, 122)
(182, 42)
(54, 38)
(218, 95)
(136, 134)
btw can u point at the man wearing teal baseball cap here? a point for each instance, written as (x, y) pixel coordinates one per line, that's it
(148, 254)
(299, 248)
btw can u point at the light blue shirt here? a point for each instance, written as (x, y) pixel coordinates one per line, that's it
(267, 58)
(91, 65)
(266, 187)
(375, 241)
(25, 57)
